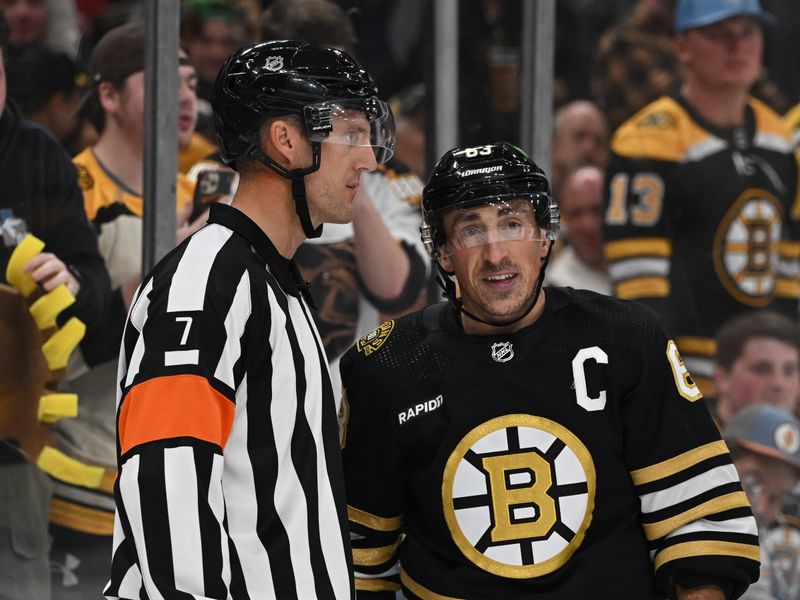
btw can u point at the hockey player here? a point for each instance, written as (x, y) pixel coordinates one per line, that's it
(522, 442)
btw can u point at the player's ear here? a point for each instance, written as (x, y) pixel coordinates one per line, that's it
(446, 261)
(545, 246)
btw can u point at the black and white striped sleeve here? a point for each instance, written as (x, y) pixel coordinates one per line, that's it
(181, 375)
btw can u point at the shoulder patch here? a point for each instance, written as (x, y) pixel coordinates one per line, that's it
(85, 179)
(374, 339)
(662, 130)
(662, 119)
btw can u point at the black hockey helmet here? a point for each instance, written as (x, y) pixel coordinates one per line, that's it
(480, 175)
(483, 175)
(318, 84)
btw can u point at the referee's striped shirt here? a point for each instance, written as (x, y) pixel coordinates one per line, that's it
(230, 480)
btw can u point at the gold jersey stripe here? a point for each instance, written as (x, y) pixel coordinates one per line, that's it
(787, 288)
(421, 590)
(81, 518)
(647, 287)
(376, 585)
(678, 463)
(706, 548)
(638, 247)
(788, 249)
(371, 557)
(707, 387)
(697, 345)
(373, 521)
(654, 531)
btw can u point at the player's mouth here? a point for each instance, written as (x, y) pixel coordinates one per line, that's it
(501, 281)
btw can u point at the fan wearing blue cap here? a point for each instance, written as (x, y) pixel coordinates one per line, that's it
(765, 446)
(701, 187)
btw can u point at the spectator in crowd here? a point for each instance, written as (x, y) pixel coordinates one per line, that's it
(757, 361)
(408, 107)
(581, 263)
(52, 23)
(699, 219)
(111, 177)
(47, 86)
(636, 63)
(792, 121)
(210, 31)
(375, 266)
(580, 136)
(40, 196)
(765, 446)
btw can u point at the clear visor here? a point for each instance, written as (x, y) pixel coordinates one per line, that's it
(360, 123)
(490, 221)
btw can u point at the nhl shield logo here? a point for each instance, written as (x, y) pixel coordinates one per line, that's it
(274, 63)
(502, 352)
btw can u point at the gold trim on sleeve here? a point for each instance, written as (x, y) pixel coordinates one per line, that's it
(638, 247)
(373, 521)
(703, 548)
(376, 585)
(654, 531)
(371, 557)
(678, 463)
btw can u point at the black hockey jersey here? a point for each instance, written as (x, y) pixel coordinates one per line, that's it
(702, 222)
(571, 459)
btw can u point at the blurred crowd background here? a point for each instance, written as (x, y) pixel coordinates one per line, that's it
(612, 58)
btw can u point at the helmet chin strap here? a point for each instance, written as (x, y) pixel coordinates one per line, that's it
(444, 281)
(297, 177)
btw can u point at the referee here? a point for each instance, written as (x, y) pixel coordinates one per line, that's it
(230, 479)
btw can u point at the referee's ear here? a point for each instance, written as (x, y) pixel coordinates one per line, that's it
(286, 144)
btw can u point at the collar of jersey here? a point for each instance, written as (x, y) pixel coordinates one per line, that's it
(284, 270)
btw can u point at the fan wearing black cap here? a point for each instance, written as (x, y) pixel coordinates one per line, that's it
(529, 442)
(230, 478)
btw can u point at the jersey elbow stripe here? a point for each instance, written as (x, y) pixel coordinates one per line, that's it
(684, 491)
(373, 521)
(737, 526)
(373, 557)
(643, 287)
(631, 268)
(376, 585)
(654, 531)
(174, 406)
(697, 345)
(638, 247)
(678, 463)
(706, 548)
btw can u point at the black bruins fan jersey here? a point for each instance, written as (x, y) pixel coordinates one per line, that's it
(702, 223)
(571, 459)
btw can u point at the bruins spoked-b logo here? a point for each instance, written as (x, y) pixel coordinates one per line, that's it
(745, 247)
(518, 495)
